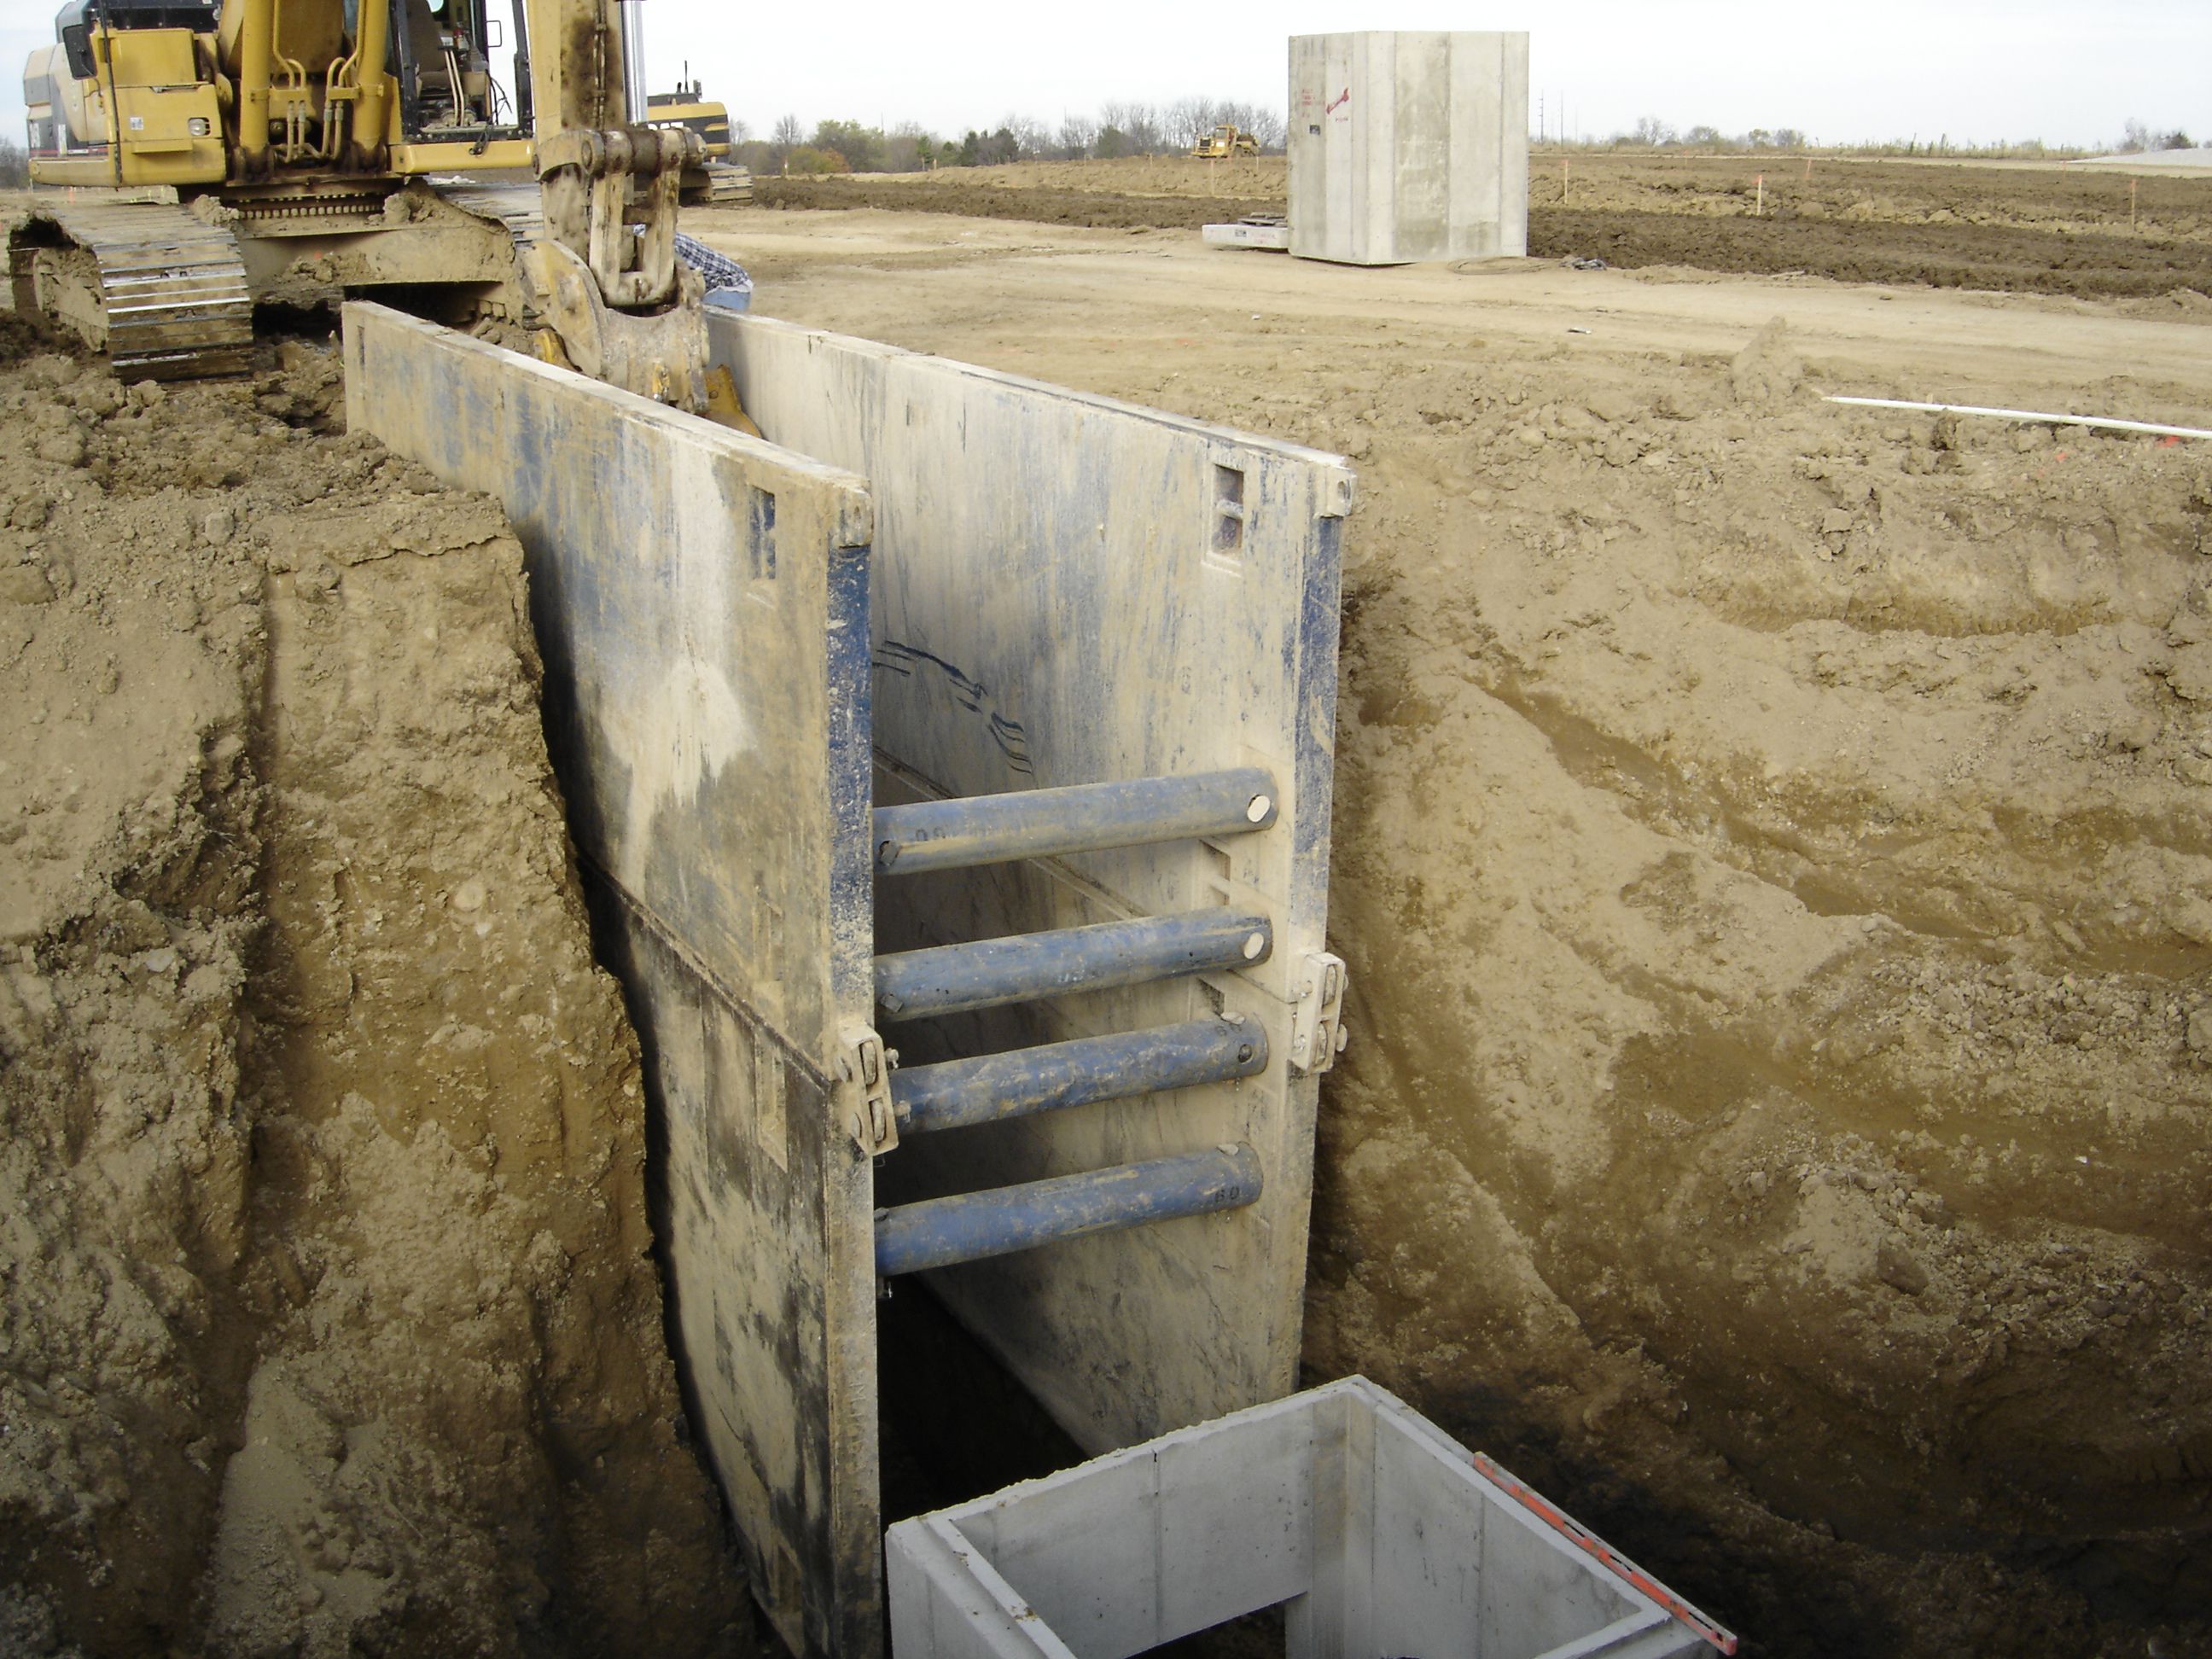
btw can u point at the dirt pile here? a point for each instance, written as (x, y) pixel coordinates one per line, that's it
(330, 1324)
(1913, 252)
(2051, 197)
(1856, 190)
(2017, 230)
(1772, 856)
(1099, 209)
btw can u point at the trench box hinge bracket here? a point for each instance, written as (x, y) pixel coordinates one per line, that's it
(1317, 1033)
(864, 1090)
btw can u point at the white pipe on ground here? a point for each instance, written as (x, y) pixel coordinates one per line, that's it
(2099, 422)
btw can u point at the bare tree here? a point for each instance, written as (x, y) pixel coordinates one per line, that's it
(1128, 130)
(1189, 119)
(1078, 133)
(1117, 119)
(1245, 118)
(1133, 129)
(1650, 129)
(2134, 136)
(787, 136)
(909, 148)
(14, 164)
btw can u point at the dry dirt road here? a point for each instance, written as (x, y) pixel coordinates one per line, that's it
(1772, 858)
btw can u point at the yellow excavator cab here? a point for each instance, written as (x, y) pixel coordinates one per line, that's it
(687, 107)
(128, 96)
(322, 147)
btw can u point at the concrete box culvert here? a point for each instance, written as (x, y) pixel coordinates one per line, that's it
(1377, 1533)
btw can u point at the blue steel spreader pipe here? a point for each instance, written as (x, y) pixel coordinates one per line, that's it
(951, 979)
(942, 1232)
(1046, 1079)
(1087, 818)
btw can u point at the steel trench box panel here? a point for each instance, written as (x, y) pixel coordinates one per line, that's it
(700, 602)
(1071, 590)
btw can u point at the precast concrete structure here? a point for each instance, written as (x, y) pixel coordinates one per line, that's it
(1408, 145)
(1373, 1530)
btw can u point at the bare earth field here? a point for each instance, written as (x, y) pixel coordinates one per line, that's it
(1959, 226)
(1772, 854)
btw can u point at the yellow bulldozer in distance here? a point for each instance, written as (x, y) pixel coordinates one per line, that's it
(1224, 142)
(212, 154)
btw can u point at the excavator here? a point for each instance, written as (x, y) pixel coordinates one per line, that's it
(194, 158)
(720, 182)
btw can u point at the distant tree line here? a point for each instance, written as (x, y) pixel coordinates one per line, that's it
(2136, 136)
(14, 165)
(1651, 133)
(1118, 130)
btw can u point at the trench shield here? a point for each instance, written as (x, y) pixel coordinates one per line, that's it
(1070, 590)
(700, 602)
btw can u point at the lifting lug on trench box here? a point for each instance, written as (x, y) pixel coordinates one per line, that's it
(1317, 1033)
(864, 1089)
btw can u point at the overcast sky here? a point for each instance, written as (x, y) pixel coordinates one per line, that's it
(2067, 72)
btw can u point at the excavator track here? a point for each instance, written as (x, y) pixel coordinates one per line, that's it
(720, 184)
(520, 208)
(163, 292)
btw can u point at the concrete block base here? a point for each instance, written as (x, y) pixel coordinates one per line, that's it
(1275, 237)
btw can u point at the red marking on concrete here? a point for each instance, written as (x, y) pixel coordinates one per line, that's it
(1612, 1559)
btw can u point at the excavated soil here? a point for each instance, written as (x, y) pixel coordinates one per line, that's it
(1773, 860)
(2034, 230)
(1772, 854)
(1097, 208)
(328, 1323)
(2000, 257)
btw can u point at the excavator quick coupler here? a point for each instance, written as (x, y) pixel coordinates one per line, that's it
(606, 279)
